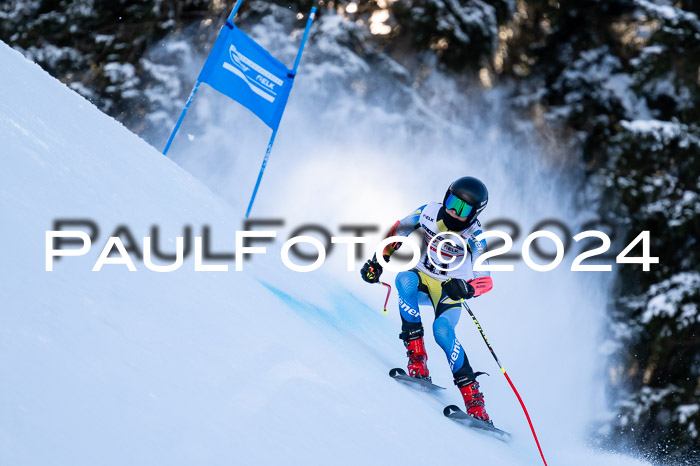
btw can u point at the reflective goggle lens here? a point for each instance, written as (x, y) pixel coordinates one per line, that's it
(458, 205)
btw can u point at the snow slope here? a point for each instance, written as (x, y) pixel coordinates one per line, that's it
(264, 366)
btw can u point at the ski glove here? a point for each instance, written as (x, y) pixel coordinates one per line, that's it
(371, 271)
(457, 289)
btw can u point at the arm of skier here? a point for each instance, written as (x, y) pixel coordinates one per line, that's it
(403, 227)
(371, 271)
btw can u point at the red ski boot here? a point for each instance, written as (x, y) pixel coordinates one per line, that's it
(473, 398)
(417, 357)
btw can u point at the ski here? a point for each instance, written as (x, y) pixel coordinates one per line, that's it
(421, 384)
(456, 414)
(453, 412)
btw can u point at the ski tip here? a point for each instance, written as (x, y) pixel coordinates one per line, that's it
(449, 410)
(396, 371)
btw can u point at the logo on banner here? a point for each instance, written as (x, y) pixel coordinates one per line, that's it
(258, 79)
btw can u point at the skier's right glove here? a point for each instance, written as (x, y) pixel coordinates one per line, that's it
(371, 271)
(457, 289)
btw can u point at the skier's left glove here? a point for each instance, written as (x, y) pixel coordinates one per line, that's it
(457, 289)
(371, 271)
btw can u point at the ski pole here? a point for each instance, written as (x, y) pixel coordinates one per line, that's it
(386, 301)
(483, 335)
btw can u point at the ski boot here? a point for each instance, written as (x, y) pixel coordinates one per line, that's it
(415, 350)
(473, 398)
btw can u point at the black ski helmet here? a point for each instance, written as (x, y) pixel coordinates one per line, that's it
(473, 192)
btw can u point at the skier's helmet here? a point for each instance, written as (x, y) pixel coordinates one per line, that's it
(468, 197)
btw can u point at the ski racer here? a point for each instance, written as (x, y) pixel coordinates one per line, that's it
(464, 200)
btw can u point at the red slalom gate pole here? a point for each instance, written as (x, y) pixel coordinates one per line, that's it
(483, 335)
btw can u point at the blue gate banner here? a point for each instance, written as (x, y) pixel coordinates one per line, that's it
(240, 68)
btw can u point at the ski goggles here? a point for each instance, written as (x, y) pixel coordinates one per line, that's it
(458, 205)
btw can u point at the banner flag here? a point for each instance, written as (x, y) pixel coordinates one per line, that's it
(241, 69)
